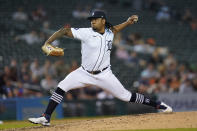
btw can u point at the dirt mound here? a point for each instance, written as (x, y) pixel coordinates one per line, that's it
(145, 121)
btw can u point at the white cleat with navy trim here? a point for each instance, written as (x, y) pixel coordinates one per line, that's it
(40, 120)
(165, 108)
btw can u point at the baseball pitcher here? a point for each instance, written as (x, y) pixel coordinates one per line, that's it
(96, 45)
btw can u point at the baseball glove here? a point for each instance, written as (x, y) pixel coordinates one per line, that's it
(52, 51)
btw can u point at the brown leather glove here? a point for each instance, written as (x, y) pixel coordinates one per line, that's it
(52, 51)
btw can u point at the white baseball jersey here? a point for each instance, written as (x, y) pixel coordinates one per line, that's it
(95, 48)
(95, 51)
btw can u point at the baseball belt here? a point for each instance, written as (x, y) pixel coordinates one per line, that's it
(95, 72)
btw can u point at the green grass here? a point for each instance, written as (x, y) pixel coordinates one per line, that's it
(15, 124)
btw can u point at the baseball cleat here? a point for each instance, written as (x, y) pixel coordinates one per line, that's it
(40, 120)
(164, 108)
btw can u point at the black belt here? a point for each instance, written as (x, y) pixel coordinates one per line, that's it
(95, 72)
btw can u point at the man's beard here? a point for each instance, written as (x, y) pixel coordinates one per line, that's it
(94, 28)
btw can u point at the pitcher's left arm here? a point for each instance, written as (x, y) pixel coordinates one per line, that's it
(131, 20)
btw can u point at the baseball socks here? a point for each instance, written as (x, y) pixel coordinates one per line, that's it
(141, 99)
(55, 99)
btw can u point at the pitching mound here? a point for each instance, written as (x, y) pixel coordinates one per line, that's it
(145, 121)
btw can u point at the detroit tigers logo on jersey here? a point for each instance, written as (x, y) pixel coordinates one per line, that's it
(109, 45)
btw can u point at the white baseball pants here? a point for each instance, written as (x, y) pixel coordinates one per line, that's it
(105, 80)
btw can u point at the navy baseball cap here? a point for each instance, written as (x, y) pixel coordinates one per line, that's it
(97, 14)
